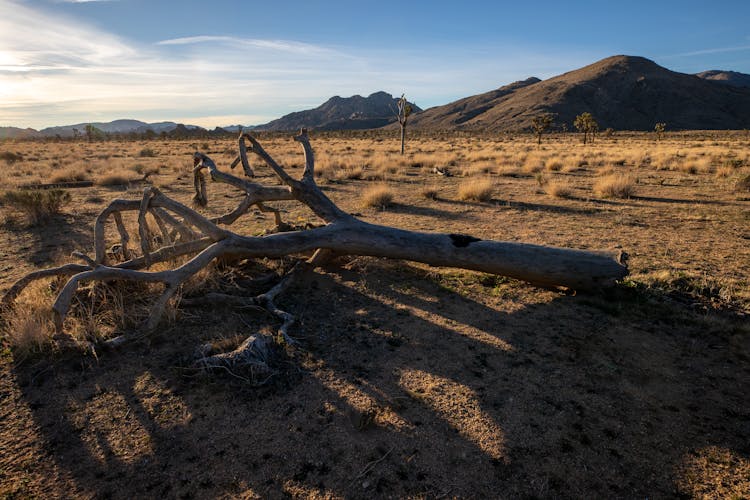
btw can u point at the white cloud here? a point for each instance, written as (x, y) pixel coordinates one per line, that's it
(56, 70)
(279, 45)
(719, 50)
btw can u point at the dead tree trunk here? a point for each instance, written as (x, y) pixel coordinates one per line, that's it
(184, 232)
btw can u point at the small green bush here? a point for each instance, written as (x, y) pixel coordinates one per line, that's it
(38, 205)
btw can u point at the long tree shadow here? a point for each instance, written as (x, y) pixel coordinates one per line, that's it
(42, 243)
(404, 386)
(522, 205)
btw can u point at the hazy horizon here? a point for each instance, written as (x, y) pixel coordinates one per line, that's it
(66, 62)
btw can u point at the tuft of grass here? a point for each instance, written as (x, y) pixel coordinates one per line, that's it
(68, 175)
(743, 184)
(10, 157)
(476, 190)
(431, 193)
(377, 196)
(147, 153)
(112, 180)
(559, 189)
(38, 205)
(615, 186)
(28, 327)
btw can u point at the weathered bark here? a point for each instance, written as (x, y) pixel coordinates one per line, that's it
(185, 232)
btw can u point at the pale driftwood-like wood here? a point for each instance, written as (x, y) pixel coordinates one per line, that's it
(185, 232)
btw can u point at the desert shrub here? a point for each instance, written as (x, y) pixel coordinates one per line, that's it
(10, 157)
(377, 196)
(28, 328)
(743, 184)
(559, 189)
(353, 173)
(68, 175)
(430, 193)
(615, 186)
(724, 171)
(147, 153)
(111, 180)
(554, 165)
(38, 205)
(476, 190)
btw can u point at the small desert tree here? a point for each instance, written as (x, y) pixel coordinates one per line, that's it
(93, 133)
(585, 123)
(404, 110)
(659, 128)
(540, 124)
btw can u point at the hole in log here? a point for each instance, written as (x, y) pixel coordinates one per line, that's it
(462, 240)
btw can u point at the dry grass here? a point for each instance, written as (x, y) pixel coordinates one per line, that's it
(615, 186)
(431, 193)
(433, 314)
(28, 327)
(39, 206)
(476, 190)
(69, 174)
(379, 196)
(114, 179)
(559, 189)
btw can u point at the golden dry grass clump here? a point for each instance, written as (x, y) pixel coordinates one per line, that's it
(29, 327)
(379, 196)
(559, 189)
(476, 190)
(37, 205)
(615, 186)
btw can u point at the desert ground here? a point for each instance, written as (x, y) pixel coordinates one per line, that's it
(406, 381)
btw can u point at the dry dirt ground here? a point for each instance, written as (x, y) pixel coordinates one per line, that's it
(411, 381)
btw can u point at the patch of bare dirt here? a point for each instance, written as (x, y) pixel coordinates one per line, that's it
(411, 381)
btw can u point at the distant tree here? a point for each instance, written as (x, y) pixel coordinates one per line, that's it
(585, 123)
(404, 110)
(540, 124)
(659, 128)
(76, 133)
(93, 133)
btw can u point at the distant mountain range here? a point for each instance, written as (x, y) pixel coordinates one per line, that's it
(342, 113)
(621, 92)
(113, 127)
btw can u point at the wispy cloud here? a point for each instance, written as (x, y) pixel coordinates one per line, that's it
(280, 45)
(718, 50)
(56, 69)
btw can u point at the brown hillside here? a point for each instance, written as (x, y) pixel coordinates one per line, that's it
(732, 78)
(622, 92)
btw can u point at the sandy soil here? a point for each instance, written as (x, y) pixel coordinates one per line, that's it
(411, 381)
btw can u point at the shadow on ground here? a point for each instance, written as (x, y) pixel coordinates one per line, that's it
(410, 383)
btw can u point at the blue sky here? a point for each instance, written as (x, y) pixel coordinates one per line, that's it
(227, 62)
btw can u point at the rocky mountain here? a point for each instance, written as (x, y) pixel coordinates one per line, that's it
(732, 78)
(342, 113)
(622, 92)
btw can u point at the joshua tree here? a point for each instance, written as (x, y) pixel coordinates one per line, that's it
(585, 123)
(659, 128)
(93, 133)
(541, 124)
(404, 110)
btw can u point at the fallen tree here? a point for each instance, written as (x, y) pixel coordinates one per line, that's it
(184, 232)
